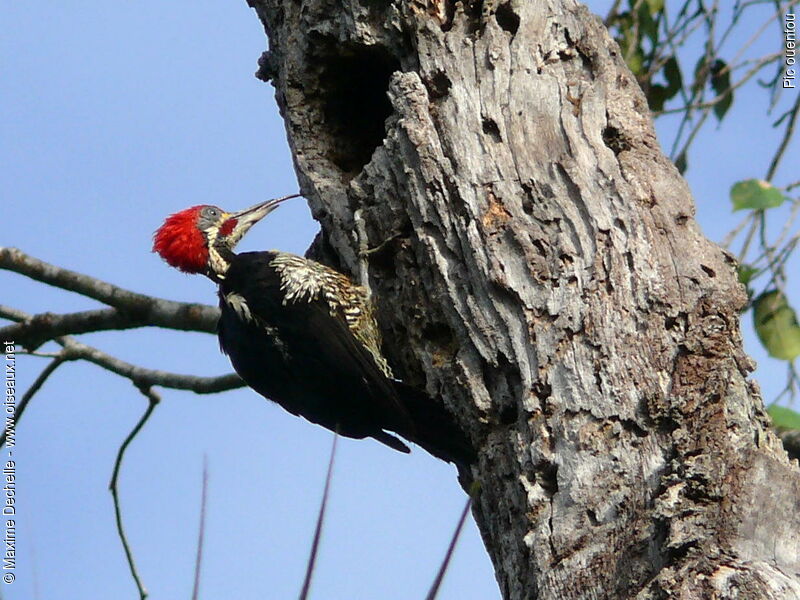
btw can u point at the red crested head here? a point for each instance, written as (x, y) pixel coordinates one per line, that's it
(201, 239)
(181, 242)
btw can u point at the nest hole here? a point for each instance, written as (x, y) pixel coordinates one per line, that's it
(507, 18)
(354, 82)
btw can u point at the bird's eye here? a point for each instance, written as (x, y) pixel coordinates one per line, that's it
(211, 211)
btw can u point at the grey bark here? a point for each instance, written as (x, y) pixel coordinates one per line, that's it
(536, 263)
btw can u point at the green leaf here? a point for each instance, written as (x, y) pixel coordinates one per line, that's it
(647, 25)
(682, 162)
(672, 73)
(784, 418)
(746, 273)
(776, 325)
(755, 194)
(635, 60)
(721, 84)
(656, 96)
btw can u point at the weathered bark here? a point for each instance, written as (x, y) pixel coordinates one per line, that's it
(536, 263)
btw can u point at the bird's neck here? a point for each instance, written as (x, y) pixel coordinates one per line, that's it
(220, 257)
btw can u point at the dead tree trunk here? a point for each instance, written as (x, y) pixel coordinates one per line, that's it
(536, 263)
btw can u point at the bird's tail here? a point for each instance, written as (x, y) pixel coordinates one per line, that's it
(434, 428)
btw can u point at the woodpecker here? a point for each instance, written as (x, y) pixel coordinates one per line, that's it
(304, 335)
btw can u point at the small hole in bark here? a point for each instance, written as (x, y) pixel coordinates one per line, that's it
(507, 18)
(543, 391)
(354, 81)
(509, 414)
(682, 219)
(527, 200)
(708, 271)
(614, 139)
(540, 246)
(548, 477)
(629, 260)
(438, 85)
(490, 128)
(438, 333)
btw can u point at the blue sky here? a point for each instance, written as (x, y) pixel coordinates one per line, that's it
(115, 115)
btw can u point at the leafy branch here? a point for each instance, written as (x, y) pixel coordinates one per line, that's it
(655, 38)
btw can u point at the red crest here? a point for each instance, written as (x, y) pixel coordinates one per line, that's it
(180, 243)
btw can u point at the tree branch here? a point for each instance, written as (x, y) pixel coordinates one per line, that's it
(787, 136)
(38, 329)
(312, 558)
(143, 377)
(135, 310)
(35, 386)
(72, 349)
(153, 399)
(198, 560)
(437, 582)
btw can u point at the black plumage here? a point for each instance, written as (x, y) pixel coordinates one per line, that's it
(304, 336)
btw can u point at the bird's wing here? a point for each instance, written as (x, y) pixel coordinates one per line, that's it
(321, 347)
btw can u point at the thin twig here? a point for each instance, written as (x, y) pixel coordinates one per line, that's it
(748, 238)
(153, 399)
(72, 349)
(312, 558)
(736, 231)
(787, 136)
(26, 398)
(434, 591)
(198, 561)
(140, 376)
(149, 377)
(708, 104)
(612, 13)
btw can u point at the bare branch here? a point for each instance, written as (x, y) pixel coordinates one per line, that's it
(198, 561)
(35, 386)
(787, 136)
(72, 349)
(12, 314)
(142, 309)
(437, 582)
(312, 557)
(149, 377)
(153, 399)
(35, 331)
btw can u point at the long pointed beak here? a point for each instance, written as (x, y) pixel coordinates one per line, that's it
(248, 217)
